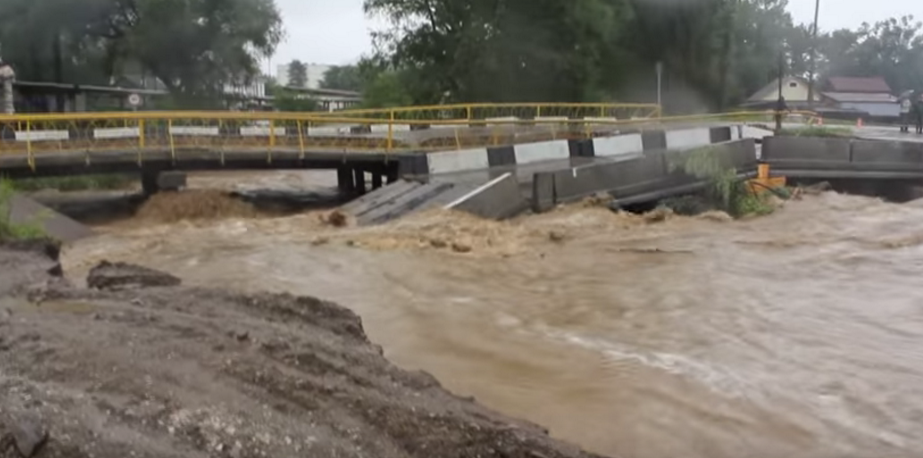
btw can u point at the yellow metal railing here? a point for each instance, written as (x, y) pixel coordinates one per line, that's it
(474, 111)
(395, 130)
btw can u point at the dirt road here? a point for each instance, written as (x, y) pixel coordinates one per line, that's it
(171, 371)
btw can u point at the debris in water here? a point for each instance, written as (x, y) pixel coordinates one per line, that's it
(460, 247)
(120, 276)
(337, 218)
(658, 215)
(557, 236)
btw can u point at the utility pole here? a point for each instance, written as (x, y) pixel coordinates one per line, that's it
(813, 67)
(780, 103)
(659, 69)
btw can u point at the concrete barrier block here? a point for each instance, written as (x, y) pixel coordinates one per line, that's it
(887, 155)
(500, 198)
(688, 138)
(654, 140)
(458, 161)
(721, 134)
(543, 193)
(619, 145)
(501, 155)
(807, 152)
(544, 151)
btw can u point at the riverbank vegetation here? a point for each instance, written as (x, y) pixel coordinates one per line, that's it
(8, 229)
(725, 190)
(714, 53)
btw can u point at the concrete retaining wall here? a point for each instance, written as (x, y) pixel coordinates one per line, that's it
(500, 198)
(616, 146)
(650, 174)
(26, 211)
(843, 157)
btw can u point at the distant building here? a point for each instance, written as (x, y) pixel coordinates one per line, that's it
(868, 95)
(315, 72)
(794, 89)
(841, 97)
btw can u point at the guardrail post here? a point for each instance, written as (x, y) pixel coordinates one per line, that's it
(468, 111)
(272, 140)
(172, 142)
(140, 133)
(31, 159)
(300, 125)
(391, 132)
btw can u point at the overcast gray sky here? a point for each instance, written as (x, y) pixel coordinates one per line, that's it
(337, 31)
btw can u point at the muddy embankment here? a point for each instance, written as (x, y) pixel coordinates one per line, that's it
(142, 366)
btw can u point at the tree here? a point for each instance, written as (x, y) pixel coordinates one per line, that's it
(892, 49)
(716, 52)
(346, 78)
(502, 50)
(297, 74)
(194, 47)
(386, 90)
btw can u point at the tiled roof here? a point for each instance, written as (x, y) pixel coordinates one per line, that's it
(861, 97)
(855, 84)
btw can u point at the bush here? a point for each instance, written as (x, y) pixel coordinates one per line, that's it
(817, 131)
(8, 230)
(725, 191)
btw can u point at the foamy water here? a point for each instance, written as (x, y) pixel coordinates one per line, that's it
(791, 335)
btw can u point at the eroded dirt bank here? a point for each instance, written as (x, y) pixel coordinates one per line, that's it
(174, 371)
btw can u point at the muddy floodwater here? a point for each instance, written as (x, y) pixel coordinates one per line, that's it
(799, 334)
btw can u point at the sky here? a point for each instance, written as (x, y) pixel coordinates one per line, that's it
(337, 32)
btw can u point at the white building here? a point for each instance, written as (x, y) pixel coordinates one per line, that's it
(316, 74)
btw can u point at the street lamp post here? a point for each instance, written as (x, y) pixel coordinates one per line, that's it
(813, 68)
(7, 75)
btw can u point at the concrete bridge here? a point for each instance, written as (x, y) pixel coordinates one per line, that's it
(365, 147)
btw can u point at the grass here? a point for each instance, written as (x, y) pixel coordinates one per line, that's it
(725, 191)
(73, 183)
(10, 230)
(817, 131)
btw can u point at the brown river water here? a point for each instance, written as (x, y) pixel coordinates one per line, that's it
(799, 334)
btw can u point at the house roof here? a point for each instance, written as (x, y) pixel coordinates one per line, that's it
(86, 88)
(860, 97)
(858, 84)
(773, 88)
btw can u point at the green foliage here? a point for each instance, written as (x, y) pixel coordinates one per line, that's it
(297, 74)
(194, 47)
(9, 230)
(289, 101)
(725, 191)
(817, 131)
(386, 90)
(345, 78)
(892, 48)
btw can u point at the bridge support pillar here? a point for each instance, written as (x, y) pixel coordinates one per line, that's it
(149, 183)
(153, 182)
(345, 180)
(360, 180)
(394, 174)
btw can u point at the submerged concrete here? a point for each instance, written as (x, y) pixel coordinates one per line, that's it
(27, 212)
